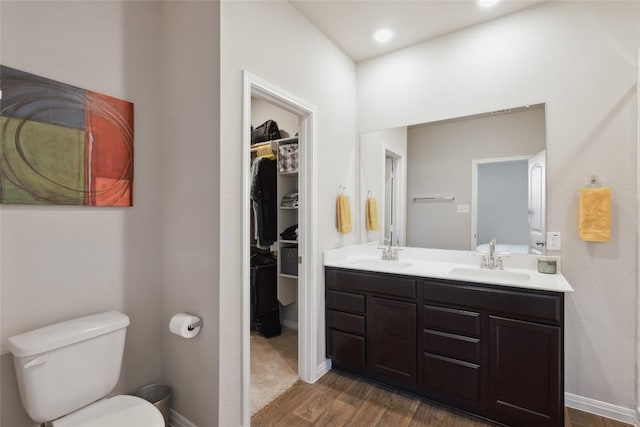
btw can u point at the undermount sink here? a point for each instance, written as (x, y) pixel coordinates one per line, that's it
(488, 274)
(380, 263)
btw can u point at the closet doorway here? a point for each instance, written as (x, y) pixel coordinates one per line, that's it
(280, 297)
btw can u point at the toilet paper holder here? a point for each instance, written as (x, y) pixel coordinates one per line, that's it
(192, 326)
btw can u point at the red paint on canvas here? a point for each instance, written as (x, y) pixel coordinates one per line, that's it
(109, 150)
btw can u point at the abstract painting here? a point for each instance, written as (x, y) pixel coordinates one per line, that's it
(63, 145)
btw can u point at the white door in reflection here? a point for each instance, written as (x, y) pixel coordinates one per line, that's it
(392, 217)
(537, 232)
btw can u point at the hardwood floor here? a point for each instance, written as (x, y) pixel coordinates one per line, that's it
(575, 418)
(340, 400)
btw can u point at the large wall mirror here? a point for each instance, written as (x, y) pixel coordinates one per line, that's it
(459, 183)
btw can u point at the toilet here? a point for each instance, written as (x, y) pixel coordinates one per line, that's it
(65, 370)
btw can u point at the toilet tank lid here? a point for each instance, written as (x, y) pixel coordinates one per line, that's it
(66, 333)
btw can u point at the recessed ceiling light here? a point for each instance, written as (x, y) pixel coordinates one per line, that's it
(382, 35)
(487, 3)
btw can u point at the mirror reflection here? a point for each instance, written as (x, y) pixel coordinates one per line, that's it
(459, 183)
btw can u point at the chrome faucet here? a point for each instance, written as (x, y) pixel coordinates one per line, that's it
(492, 262)
(389, 253)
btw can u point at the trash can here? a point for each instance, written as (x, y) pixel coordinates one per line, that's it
(159, 395)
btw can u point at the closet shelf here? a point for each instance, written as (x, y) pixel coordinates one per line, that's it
(288, 140)
(290, 276)
(289, 173)
(288, 208)
(288, 242)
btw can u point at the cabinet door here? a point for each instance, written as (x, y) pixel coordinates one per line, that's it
(525, 367)
(347, 349)
(391, 338)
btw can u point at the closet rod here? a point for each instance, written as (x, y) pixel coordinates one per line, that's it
(256, 147)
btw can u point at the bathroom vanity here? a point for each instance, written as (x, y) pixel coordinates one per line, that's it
(436, 326)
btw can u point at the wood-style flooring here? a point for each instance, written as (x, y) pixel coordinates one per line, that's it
(340, 400)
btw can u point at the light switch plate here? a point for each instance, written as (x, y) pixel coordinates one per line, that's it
(554, 241)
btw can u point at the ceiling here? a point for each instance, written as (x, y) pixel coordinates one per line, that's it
(350, 24)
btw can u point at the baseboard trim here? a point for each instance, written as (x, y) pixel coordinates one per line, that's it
(177, 420)
(289, 324)
(603, 409)
(323, 368)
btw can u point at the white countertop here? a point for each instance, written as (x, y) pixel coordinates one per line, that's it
(520, 271)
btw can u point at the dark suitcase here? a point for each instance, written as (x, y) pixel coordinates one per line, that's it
(265, 309)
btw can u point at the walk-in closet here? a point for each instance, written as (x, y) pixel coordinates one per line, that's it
(274, 241)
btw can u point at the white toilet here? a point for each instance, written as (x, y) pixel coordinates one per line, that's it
(64, 369)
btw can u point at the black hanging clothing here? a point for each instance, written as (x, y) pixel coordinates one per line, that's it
(265, 310)
(265, 203)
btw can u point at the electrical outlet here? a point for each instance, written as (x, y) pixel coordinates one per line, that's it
(554, 241)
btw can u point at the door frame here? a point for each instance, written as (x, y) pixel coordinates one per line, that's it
(308, 316)
(638, 244)
(474, 191)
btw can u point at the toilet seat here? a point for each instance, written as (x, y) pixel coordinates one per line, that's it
(121, 411)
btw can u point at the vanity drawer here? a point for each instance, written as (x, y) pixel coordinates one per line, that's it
(346, 322)
(529, 305)
(345, 301)
(346, 280)
(452, 377)
(346, 348)
(456, 346)
(452, 320)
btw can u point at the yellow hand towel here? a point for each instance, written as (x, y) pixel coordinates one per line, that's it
(343, 214)
(595, 214)
(371, 214)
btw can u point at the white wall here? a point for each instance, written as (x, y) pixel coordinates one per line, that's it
(373, 148)
(62, 262)
(190, 203)
(580, 59)
(439, 163)
(291, 53)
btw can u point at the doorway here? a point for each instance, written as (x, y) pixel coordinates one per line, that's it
(507, 204)
(306, 284)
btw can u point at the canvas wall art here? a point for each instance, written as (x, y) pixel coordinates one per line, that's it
(63, 145)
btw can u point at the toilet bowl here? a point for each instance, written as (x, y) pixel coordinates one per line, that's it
(65, 370)
(121, 411)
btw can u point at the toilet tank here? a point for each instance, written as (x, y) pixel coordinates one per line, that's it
(68, 365)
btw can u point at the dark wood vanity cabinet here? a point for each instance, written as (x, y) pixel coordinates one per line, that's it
(346, 328)
(493, 351)
(392, 338)
(371, 324)
(451, 356)
(525, 384)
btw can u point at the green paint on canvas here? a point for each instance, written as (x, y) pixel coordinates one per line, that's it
(50, 167)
